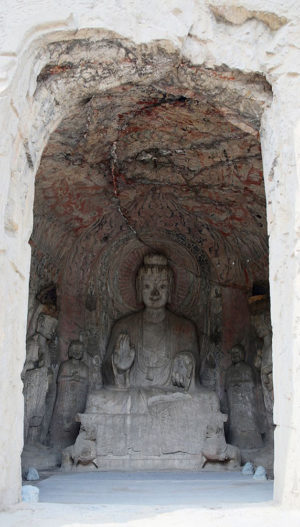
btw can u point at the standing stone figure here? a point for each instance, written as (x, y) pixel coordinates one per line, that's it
(37, 376)
(264, 363)
(152, 411)
(239, 385)
(72, 388)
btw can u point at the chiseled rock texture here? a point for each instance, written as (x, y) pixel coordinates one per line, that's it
(142, 130)
(168, 160)
(32, 474)
(30, 494)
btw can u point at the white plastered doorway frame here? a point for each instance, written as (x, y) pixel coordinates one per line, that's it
(280, 139)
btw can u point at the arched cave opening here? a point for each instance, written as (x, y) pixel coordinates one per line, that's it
(169, 164)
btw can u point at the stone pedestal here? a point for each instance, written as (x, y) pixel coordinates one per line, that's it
(140, 429)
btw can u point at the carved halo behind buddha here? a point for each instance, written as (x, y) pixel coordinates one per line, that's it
(152, 411)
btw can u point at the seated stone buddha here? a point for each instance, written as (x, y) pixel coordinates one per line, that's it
(154, 347)
(152, 411)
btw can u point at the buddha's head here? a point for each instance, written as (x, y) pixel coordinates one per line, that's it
(46, 326)
(237, 354)
(154, 281)
(262, 324)
(75, 350)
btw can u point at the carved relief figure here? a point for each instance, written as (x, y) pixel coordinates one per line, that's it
(239, 384)
(152, 411)
(72, 388)
(37, 376)
(154, 347)
(264, 363)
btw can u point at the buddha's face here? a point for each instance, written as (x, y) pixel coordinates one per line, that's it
(75, 350)
(262, 325)
(237, 355)
(155, 289)
(46, 326)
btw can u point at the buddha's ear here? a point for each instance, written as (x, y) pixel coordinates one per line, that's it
(170, 285)
(138, 287)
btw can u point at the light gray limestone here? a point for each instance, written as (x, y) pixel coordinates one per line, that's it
(30, 494)
(32, 474)
(248, 42)
(152, 396)
(260, 474)
(243, 417)
(264, 363)
(248, 469)
(72, 387)
(39, 379)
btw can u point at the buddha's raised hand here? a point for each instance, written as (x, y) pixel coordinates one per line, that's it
(124, 353)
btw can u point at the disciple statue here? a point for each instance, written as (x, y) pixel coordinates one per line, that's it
(37, 376)
(152, 411)
(72, 387)
(243, 419)
(264, 364)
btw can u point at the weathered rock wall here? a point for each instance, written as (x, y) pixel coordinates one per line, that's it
(251, 37)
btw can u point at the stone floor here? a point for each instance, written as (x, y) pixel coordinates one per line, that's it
(166, 499)
(180, 489)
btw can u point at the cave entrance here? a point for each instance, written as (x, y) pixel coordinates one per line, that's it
(147, 156)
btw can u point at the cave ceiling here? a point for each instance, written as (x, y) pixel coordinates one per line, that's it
(158, 159)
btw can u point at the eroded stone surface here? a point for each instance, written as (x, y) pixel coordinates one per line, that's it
(139, 420)
(30, 494)
(169, 161)
(32, 474)
(248, 47)
(39, 380)
(243, 414)
(72, 387)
